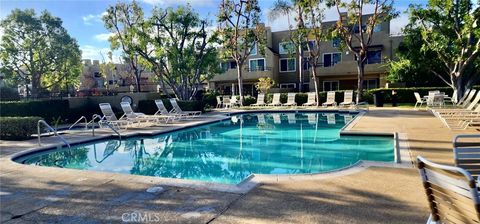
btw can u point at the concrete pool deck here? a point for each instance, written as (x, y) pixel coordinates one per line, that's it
(372, 195)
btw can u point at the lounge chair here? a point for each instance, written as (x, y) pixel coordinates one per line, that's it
(311, 100)
(330, 99)
(219, 102)
(460, 101)
(234, 102)
(451, 193)
(419, 100)
(162, 110)
(129, 113)
(290, 100)
(110, 118)
(348, 98)
(275, 100)
(176, 109)
(466, 150)
(468, 108)
(260, 100)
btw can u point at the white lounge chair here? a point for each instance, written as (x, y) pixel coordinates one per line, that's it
(219, 102)
(226, 102)
(419, 100)
(234, 102)
(290, 100)
(451, 193)
(140, 117)
(446, 112)
(176, 109)
(260, 101)
(330, 99)
(466, 150)
(348, 98)
(275, 100)
(162, 110)
(311, 100)
(110, 118)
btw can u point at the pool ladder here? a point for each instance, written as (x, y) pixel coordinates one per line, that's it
(92, 122)
(39, 123)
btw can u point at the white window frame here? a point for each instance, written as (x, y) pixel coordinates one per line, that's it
(280, 47)
(280, 65)
(331, 53)
(331, 81)
(256, 59)
(285, 85)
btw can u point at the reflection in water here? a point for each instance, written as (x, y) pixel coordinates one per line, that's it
(229, 151)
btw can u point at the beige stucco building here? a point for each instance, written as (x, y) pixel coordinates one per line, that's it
(337, 70)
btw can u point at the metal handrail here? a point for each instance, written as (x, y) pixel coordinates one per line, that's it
(50, 129)
(113, 129)
(76, 122)
(95, 116)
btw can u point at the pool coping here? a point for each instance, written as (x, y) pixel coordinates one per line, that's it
(401, 154)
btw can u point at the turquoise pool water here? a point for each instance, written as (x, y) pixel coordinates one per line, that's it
(229, 151)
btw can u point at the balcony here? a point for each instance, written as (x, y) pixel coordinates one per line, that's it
(350, 68)
(253, 73)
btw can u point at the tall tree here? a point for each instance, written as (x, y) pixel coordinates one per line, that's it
(38, 50)
(356, 29)
(239, 29)
(122, 20)
(306, 35)
(450, 28)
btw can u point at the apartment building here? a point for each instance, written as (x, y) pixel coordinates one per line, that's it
(337, 70)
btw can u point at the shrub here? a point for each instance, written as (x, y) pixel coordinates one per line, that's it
(249, 100)
(48, 109)
(18, 128)
(8, 94)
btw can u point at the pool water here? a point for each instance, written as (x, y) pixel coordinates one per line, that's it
(231, 150)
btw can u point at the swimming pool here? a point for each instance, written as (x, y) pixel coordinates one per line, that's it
(231, 150)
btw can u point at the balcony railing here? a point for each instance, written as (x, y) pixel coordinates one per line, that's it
(258, 69)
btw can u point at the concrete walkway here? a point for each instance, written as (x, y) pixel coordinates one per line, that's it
(374, 195)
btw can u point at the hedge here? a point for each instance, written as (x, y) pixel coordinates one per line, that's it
(8, 94)
(51, 110)
(149, 106)
(18, 128)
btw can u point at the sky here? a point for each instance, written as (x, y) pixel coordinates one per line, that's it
(82, 18)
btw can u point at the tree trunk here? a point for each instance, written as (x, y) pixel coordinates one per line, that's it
(240, 82)
(300, 68)
(35, 85)
(315, 83)
(137, 80)
(459, 86)
(361, 73)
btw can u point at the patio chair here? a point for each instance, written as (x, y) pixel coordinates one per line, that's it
(234, 102)
(162, 110)
(451, 193)
(129, 113)
(275, 100)
(176, 109)
(419, 100)
(290, 100)
(311, 99)
(110, 118)
(226, 102)
(348, 98)
(467, 153)
(469, 108)
(330, 99)
(435, 99)
(260, 100)
(219, 102)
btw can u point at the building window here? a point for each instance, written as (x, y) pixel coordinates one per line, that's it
(287, 64)
(331, 59)
(374, 57)
(254, 49)
(311, 44)
(336, 42)
(286, 48)
(306, 65)
(288, 85)
(370, 84)
(257, 64)
(228, 65)
(330, 85)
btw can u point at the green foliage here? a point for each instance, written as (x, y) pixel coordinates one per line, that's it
(184, 54)
(264, 84)
(48, 109)
(37, 50)
(18, 128)
(8, 94)
(450, 31)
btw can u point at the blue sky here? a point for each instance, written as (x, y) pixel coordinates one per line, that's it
(82, 18)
